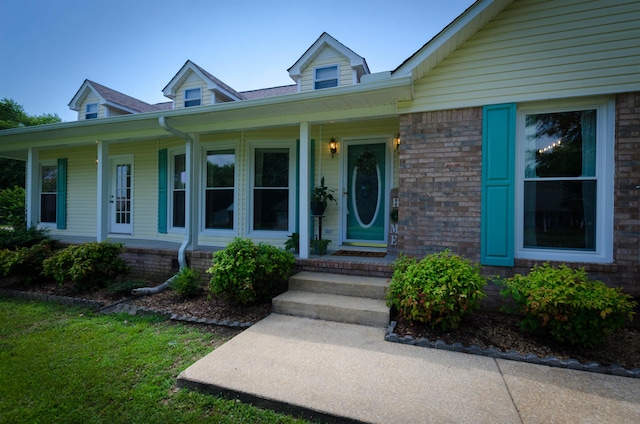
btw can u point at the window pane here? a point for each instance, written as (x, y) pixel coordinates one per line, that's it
(326, 84)
(219, 209)
(561, 144)
(221, 169)
(272, 168)
(179, 172)
(560, 214)
(49, 179)
(178, 208)
(192, 93)
(271, 209)
(330, 72)
(48, 207)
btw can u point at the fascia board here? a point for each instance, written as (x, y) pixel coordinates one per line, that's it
(449, 34)
(81, 94)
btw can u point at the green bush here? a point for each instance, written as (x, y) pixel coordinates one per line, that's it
(12, 207)
(246, 272)
(87, 266)
(438, 290)
(124, 288)
(26, 263)
(22, 237)
(186, 283)
(563, 303)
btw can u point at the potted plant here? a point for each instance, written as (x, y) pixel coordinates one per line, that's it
(320, 246)
(293, 242)
(320, 197)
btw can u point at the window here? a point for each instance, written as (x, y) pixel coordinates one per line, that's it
(564, 203)
(178, 189)
(271, 189)
(325, 77)
(192, 97)
(48, 193)
(91, 111)
(220, 189)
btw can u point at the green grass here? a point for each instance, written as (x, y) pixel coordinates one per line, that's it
(65, 365)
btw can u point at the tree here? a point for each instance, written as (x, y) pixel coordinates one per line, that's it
(12, 115)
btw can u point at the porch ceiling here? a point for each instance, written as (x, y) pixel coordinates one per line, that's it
(363, 101)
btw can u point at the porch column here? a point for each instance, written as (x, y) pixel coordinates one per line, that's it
(304, 178)
(192, 158)
(102, 191)
(32, 184)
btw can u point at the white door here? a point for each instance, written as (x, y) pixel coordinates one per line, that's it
(121, 196)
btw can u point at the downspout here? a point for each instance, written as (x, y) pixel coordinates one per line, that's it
(187, 240)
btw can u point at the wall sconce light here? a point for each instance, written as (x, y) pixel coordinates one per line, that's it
(333, 146)
(396, 141)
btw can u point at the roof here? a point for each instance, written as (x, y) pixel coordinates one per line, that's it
(112, 97)
(270, 92)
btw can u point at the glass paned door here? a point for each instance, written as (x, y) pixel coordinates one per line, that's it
(121, 197)
(365, 211)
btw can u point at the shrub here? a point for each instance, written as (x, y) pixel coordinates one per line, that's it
(26, 263)
(246, 272)
(88, 266)
(22, 237)
(124, 288)
(186, 283)
(438, 290)
(12, 207)
(563, 303)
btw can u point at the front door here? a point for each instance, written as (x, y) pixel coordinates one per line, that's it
(365, 190)
(121, 196)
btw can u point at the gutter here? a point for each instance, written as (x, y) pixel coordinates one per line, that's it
(187, 240)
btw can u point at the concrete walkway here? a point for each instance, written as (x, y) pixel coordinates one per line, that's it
(348, 373)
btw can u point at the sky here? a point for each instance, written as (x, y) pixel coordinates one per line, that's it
(48, 48)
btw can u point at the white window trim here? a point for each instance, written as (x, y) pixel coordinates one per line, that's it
(190, 100)
(337, 78)
(605, 181)
(50, 225)
(268, 144)
(86, 110)
(172, 164)
(229, 145)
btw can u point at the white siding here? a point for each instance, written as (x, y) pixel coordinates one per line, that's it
(326, 57)
(539, 50)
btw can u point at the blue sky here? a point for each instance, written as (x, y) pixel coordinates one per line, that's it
(48, 48)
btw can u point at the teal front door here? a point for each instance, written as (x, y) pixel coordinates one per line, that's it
(365, 194)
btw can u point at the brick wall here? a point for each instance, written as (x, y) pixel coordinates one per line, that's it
(440, 180)
(440, 191)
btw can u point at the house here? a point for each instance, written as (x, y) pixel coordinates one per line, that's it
(511, 138)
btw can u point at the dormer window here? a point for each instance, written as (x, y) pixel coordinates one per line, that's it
(192, 97)
(91, 111)
(325, 77)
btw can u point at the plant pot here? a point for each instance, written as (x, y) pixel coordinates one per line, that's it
(317, 208)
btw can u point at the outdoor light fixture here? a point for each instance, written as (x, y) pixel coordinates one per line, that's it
(396, 141)
(333, 146)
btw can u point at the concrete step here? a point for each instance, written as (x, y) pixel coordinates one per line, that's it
(332, 307)
(345, 285)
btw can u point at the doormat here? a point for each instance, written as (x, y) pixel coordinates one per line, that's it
(360, 253)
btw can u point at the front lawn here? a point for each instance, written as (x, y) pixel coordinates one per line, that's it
(63, 365)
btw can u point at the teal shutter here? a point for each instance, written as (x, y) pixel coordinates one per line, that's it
(498, 174)
(162, 190)
(61, 195)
